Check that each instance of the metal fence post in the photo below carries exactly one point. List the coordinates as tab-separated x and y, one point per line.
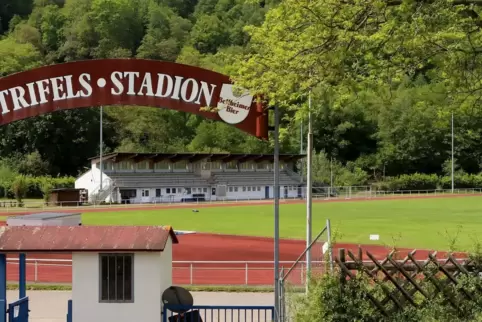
35	275
246	274
190	273
330	249
302	274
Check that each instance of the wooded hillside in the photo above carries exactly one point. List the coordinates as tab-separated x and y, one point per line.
385	78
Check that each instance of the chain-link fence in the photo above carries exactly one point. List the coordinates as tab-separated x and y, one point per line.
294	281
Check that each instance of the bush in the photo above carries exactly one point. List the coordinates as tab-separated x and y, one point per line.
419	181
416	181
19	188
462	181
330	299
46	188
36	187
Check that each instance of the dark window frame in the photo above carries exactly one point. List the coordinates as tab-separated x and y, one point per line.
107	298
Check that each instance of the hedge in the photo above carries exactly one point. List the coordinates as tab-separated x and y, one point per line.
35	183
419	181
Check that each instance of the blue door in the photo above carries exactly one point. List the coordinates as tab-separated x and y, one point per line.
18	311
266	192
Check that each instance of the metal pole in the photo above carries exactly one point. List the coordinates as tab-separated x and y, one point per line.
309	191
452	152
101	150
331	173
301	150
22	278
276	214
301	137
330	249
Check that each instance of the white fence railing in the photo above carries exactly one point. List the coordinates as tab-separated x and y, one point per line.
184	272
326	193
247	273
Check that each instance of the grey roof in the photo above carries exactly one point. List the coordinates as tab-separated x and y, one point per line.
45	215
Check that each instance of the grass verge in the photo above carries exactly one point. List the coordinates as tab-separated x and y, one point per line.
203	288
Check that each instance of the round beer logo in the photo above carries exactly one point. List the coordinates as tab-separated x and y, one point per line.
233	109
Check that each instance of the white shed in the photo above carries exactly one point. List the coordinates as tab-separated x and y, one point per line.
46	219
118	272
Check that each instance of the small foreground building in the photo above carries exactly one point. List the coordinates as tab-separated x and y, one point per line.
118	272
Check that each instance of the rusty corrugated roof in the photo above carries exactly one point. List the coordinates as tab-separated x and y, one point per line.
84	238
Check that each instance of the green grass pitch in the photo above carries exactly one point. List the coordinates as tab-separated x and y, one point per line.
413	223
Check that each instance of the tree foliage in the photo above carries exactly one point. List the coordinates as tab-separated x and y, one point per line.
384	77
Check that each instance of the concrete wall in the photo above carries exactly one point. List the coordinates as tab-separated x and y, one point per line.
152	274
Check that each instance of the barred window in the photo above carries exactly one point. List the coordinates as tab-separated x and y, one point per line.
116	278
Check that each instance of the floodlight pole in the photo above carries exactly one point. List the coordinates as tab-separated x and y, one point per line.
309	191
276	215
101	149
452	174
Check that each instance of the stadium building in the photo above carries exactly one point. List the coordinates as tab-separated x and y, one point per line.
184	177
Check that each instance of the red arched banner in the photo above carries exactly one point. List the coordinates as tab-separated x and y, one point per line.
129	82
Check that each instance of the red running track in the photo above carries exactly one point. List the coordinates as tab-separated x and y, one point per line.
209	247
206	247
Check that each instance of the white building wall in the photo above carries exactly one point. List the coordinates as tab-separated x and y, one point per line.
152	273
166	268
91	181
244	193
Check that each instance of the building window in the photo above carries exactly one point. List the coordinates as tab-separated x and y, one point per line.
181	165
205	190
107	165
249	188
163	165
230	189
244	188
158	193
235	189
143	165
145	193
116	278
231	165
173	190
246	166
259	188
216	165
168	190
123	165
262	166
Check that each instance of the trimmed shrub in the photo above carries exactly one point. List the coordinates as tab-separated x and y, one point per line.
416	181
